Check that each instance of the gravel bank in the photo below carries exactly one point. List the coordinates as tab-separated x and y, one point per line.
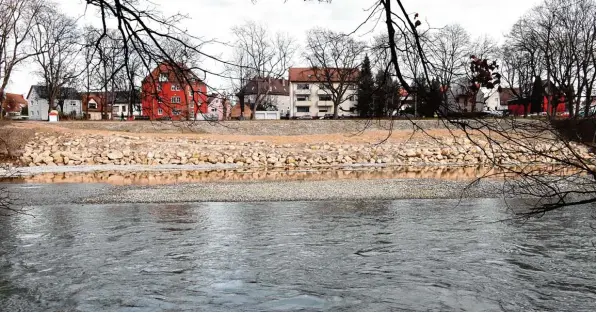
385	189
382	189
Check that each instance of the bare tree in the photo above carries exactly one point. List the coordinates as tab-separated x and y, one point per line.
17	18
55	40
334	59
449	51
258	56
570	182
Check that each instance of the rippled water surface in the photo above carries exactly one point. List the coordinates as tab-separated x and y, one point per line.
391	255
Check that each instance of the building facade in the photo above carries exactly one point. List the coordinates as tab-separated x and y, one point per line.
123	106
218	109
68	102
173	93
310	97
268	94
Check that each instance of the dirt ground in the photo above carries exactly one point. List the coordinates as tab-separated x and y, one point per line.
148	129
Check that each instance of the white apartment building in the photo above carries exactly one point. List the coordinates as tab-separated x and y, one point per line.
308	96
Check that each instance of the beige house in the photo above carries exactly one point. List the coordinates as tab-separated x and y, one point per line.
308	96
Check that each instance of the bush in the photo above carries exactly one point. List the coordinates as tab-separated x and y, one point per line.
13	140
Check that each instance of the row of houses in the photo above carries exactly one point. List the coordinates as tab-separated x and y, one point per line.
176	93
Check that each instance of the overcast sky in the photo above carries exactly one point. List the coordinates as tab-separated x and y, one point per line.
214	18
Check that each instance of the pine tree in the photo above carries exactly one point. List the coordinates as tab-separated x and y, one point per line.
536	96
365	89
386	97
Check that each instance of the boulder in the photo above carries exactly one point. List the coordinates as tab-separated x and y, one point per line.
115	155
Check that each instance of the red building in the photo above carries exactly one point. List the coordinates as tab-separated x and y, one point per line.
173	93
14	104
517	108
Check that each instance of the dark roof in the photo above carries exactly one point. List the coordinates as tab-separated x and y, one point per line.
276	87
507	94
64	93
124	96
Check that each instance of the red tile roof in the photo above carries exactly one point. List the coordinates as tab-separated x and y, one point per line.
307	74
14	102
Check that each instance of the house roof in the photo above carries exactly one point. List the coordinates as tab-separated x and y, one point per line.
507	94
14	102
119	96
214	96
271	86
174	72
64	92
307	74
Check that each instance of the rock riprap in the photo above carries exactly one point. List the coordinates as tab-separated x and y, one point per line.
48	149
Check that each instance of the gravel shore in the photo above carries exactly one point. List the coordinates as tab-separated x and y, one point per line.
382	189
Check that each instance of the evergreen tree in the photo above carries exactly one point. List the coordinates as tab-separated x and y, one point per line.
428	97
536	96
365	89
386	98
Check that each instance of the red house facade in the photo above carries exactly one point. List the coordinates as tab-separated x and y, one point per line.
517	108
173	93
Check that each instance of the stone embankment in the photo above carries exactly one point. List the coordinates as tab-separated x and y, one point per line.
124	149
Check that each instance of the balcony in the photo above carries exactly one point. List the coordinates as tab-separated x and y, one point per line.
321	103
302	91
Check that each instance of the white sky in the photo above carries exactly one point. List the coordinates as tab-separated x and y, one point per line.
212	19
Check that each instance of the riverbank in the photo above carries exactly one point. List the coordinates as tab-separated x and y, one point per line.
66	145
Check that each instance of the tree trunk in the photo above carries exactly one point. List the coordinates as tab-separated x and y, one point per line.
588	103
253	107
2	103
336	105
241	100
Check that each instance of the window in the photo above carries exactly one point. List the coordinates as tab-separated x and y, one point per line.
352	87
191	93
302	86
325	98
163	77
302	98
174	87
92	105
352	98
175	100
302	109
124	108
176	112
158	87
214	109
323	110
73	103
160	111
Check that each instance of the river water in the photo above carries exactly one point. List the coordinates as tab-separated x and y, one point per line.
413	255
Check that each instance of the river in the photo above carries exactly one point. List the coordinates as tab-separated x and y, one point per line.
414	255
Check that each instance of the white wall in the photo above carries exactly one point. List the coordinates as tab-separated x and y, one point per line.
491	99
314	104
72	105
120	108
38	108
267	115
